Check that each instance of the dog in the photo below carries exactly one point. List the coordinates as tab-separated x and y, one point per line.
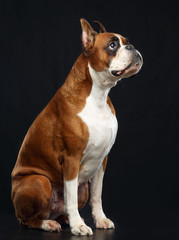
65	150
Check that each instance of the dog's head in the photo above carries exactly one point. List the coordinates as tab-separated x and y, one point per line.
110	53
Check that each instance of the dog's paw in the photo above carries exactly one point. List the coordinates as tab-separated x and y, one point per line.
104	223
82	230
51	226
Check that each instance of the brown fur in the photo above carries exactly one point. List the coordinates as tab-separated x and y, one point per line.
105	163
102	40
54	144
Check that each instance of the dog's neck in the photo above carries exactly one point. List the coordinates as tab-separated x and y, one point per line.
101	86
83	81
78	80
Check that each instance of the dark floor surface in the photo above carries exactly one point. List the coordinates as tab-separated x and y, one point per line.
152	226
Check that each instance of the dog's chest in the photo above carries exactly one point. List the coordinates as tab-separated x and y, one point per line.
102	126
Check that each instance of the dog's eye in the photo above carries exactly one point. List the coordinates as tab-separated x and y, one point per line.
112	45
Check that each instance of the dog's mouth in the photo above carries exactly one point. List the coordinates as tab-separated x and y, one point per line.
118	73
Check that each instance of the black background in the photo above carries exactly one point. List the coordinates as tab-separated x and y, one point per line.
39	43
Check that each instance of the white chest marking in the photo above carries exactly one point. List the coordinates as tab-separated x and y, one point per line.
102	126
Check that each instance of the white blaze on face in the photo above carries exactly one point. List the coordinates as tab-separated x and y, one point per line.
125	59
122	59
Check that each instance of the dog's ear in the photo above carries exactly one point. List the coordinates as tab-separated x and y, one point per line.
101	27
88	36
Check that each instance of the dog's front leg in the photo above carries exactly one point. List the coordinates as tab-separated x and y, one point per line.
78	227
99	217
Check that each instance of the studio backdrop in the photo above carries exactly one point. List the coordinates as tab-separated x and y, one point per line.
39	43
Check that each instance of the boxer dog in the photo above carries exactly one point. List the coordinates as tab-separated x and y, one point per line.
66	147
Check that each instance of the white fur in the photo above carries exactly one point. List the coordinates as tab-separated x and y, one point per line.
50	226
95	198
102	124
96	202
78	227
122	59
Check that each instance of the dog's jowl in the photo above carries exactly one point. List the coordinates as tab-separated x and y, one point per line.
65	150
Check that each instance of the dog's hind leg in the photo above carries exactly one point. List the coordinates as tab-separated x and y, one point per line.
32	201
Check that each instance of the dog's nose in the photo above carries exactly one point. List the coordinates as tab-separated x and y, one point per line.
129	47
